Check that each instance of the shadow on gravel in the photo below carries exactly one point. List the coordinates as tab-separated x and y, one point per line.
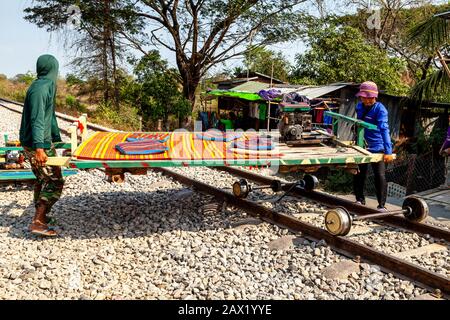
124	214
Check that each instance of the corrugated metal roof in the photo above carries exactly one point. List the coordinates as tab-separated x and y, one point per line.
316	92
252	86
311	92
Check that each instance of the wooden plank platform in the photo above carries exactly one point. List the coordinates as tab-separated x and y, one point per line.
17	175
186	149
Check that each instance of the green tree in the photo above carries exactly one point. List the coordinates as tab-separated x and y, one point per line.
26	78
390	32
156	90
73	80
96	40
433	36
341	54
260	59
200	34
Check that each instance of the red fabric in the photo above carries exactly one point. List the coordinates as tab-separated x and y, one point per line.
319	115
80	126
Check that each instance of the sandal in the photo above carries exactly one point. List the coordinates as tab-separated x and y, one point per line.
41	229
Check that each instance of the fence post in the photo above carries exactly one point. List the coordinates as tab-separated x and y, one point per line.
410	175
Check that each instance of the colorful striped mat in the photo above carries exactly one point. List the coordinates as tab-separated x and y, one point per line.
255	143
217	135
182	146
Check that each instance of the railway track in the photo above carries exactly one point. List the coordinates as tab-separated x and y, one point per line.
348	247
18	106
334	201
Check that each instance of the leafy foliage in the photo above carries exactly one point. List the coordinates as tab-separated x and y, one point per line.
126	118
260	59
156	90
339	181
72	80
435	87
428	142
341	54
200	34
26	78
433	36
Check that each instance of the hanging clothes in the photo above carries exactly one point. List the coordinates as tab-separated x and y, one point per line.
204	118
256	110
327	120
262	111
319	115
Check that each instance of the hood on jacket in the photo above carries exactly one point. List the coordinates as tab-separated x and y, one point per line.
47	67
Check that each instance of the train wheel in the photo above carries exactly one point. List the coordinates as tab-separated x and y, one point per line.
241	189
416	209
311	182
338	221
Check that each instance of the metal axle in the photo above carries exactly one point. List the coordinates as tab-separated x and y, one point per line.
382	214
338	221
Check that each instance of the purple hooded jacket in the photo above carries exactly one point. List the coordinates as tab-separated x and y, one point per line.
447	140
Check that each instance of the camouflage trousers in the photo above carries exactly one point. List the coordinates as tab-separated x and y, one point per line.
49	180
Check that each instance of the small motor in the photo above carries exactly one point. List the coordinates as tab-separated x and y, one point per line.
293	133
14	160
293	125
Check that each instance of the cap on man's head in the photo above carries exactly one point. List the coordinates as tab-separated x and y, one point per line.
368	89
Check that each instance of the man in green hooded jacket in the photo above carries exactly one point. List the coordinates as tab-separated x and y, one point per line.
38	131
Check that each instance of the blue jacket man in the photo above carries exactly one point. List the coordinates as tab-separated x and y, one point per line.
378	141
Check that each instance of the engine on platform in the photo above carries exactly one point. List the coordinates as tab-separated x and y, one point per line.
13	159
294	124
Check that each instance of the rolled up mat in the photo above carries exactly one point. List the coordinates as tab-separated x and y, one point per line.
141	147
216	135
148	139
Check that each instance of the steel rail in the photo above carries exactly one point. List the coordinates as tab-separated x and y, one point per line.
334	201
343	245
64	131
62	116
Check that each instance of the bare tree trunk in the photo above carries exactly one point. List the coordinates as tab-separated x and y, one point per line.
112	46
190	85
190	82
105	55
114	72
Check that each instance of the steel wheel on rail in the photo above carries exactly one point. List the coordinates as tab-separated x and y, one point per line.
338	221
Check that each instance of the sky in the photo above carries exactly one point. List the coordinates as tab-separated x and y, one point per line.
21	43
